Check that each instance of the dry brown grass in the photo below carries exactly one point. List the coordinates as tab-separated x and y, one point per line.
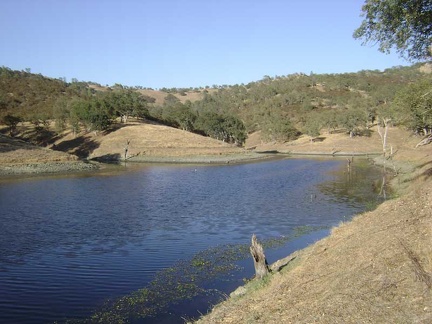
16	151
150	140
400	141
159	96
146	140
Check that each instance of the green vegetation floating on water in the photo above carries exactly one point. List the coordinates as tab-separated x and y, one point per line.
184	280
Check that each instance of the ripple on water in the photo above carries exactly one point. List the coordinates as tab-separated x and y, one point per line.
73	243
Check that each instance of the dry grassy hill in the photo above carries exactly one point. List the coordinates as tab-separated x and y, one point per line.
159	96
13	150
145	142
401	142
155	142
19	157
148	140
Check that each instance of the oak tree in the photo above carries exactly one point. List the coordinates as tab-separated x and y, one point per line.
404	25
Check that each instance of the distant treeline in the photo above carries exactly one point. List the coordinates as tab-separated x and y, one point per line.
281	107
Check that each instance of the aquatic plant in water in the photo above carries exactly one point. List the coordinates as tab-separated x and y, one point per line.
184	280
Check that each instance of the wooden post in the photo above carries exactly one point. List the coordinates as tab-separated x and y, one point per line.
260	262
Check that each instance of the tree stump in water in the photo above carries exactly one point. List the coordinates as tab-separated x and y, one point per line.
260	262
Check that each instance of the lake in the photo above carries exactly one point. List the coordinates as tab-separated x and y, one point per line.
73	245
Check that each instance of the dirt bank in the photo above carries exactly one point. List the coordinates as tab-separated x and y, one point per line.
47	167
208	159
18	157
153	143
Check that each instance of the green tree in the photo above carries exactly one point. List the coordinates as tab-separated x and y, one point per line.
277	127
184	117
40	121
405	25
352	120
92	113
11	121
229	129
3	101
329	119
211	124
170	99
178	115
234	130
313	125
79	114
412	106
98	115
124	104
61	114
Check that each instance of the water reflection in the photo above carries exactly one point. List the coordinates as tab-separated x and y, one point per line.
359	183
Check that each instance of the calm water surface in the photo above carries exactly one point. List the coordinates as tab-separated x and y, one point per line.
69	244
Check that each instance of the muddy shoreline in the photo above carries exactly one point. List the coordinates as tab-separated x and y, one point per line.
20	169
66	167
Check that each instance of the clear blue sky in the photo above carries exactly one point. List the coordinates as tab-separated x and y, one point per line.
184	43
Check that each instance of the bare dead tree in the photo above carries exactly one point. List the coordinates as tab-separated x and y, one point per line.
260	262
425	141
126	149
383	133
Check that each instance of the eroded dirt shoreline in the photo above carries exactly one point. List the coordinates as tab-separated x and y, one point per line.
21	169
57	167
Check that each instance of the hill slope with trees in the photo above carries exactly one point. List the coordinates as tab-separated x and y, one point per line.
281	108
